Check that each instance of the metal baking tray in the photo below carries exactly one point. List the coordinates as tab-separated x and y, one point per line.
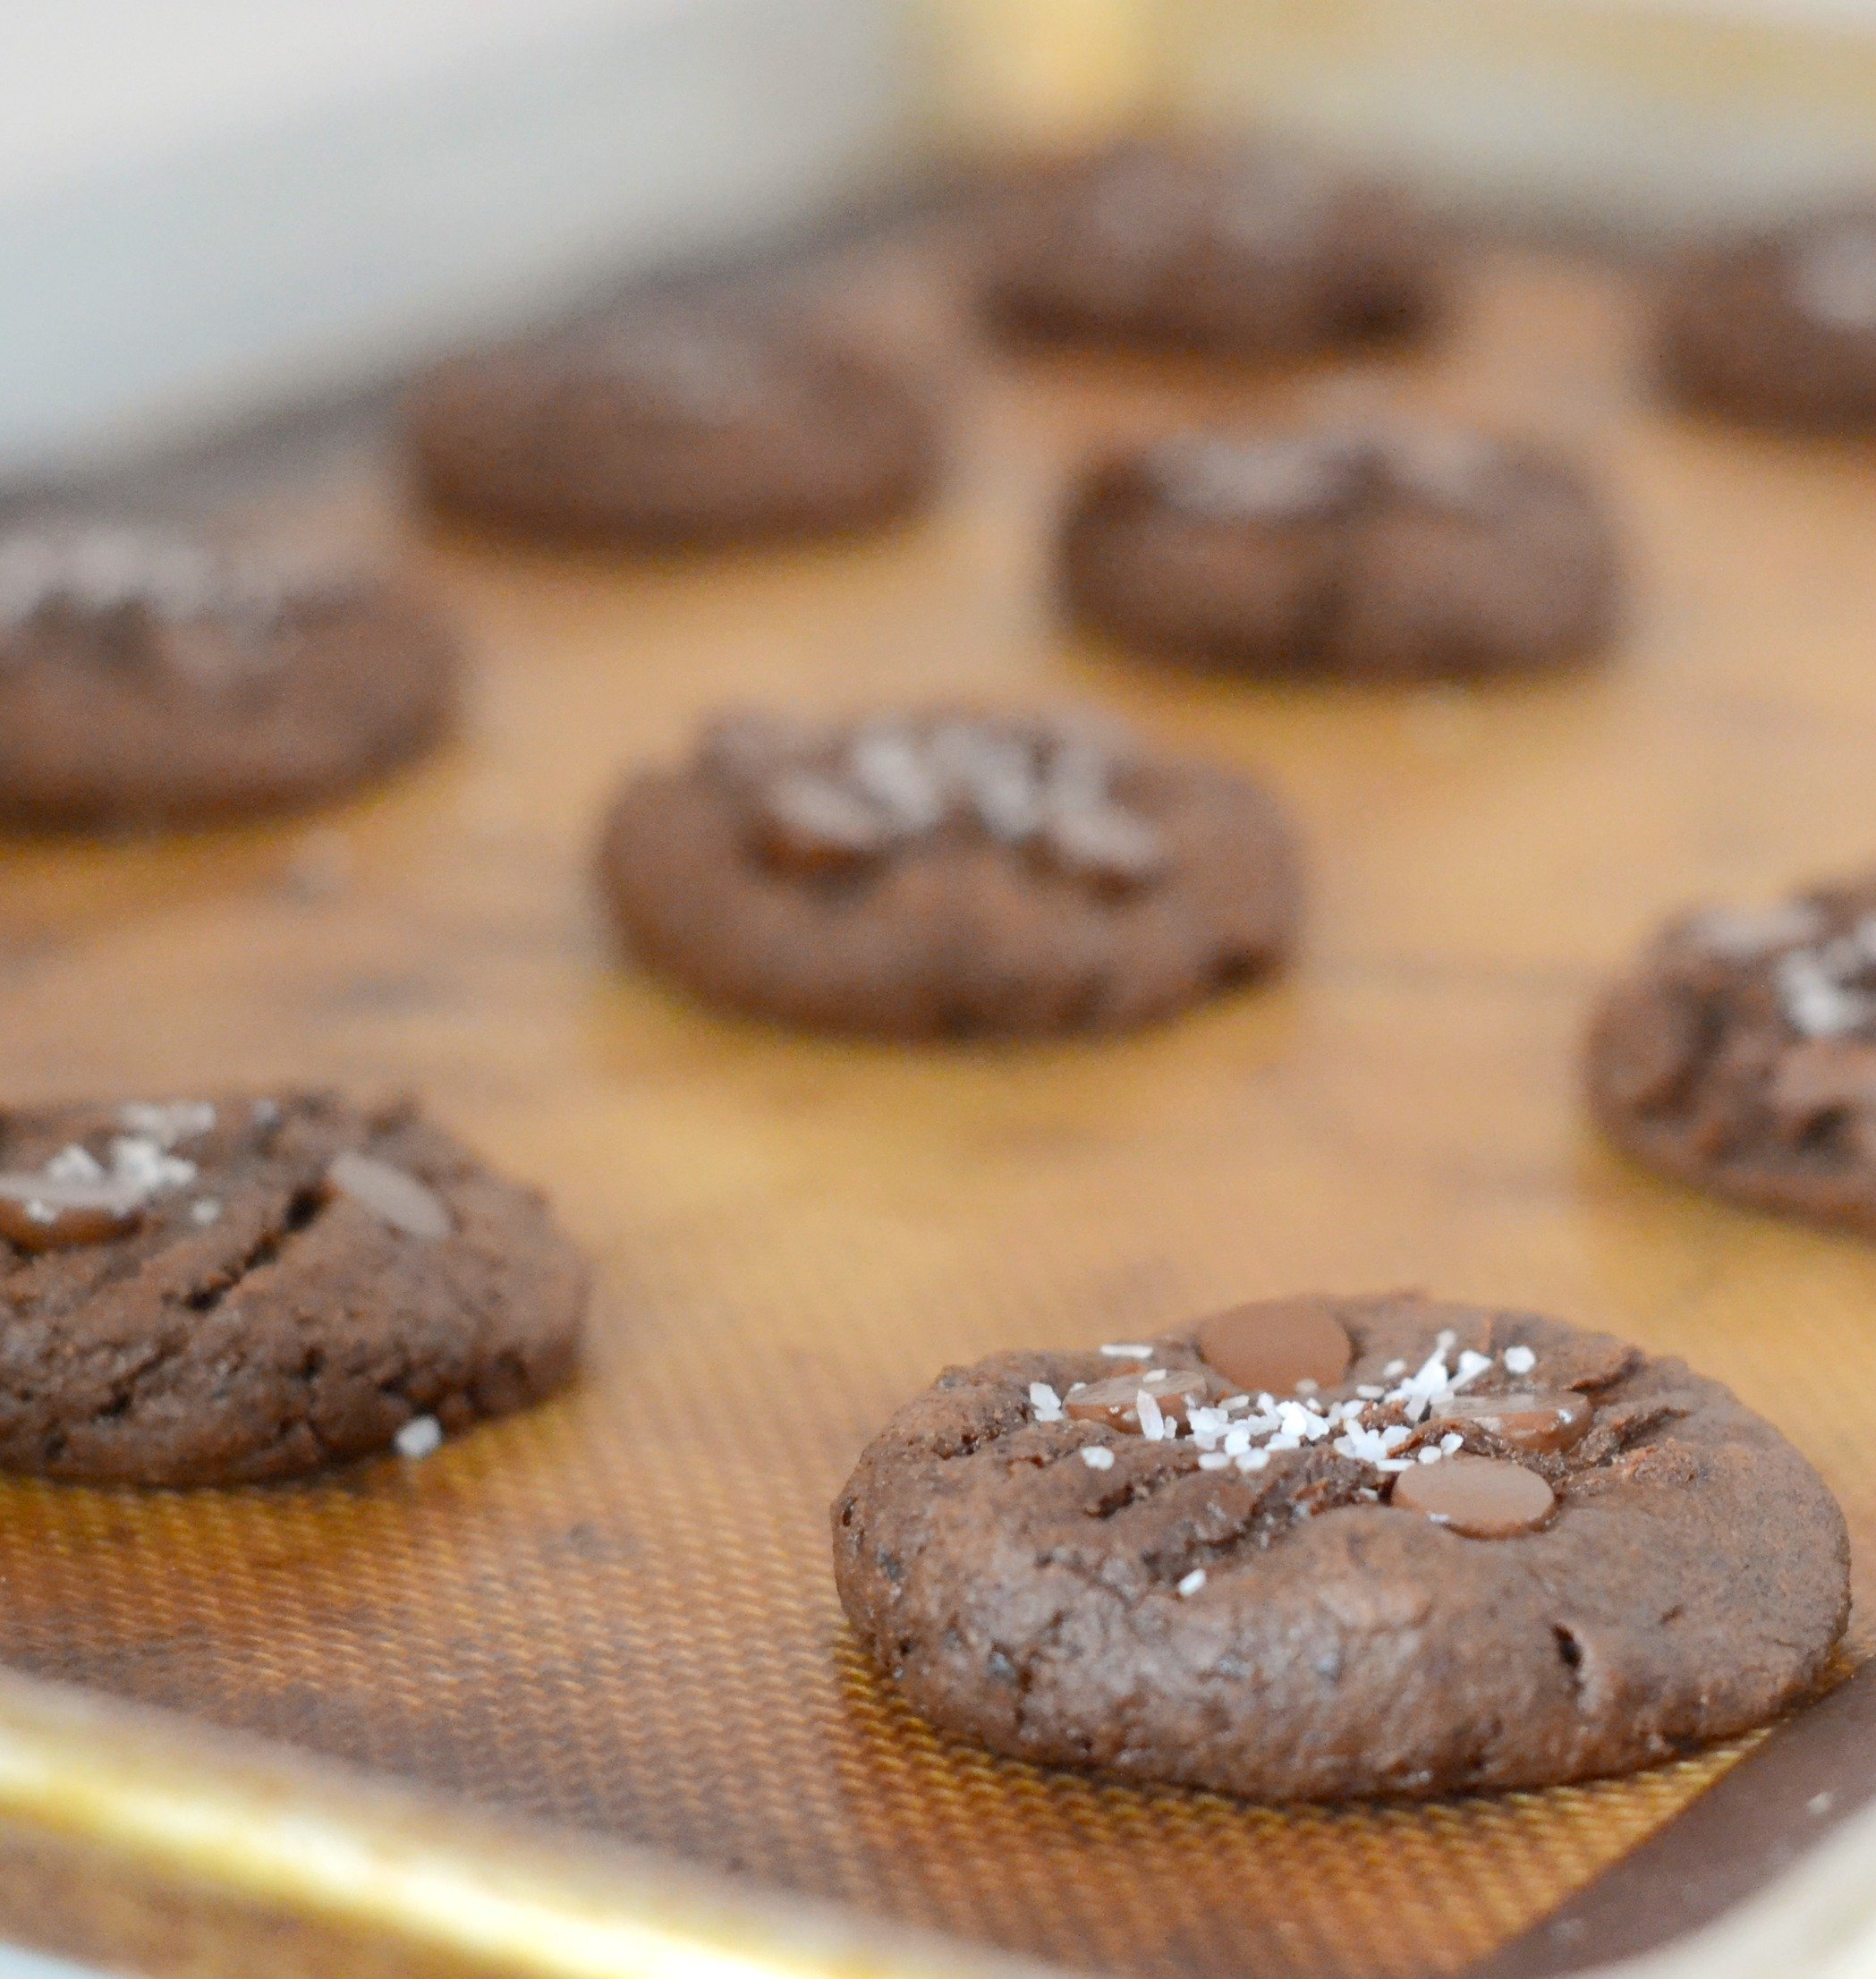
583	1673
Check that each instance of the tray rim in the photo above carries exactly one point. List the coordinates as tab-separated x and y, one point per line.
253	1820
237	1817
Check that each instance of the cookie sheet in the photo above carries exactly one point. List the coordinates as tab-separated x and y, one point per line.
615	1614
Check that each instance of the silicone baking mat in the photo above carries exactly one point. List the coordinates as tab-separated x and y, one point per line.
616	1613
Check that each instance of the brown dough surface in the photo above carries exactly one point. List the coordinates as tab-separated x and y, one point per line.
1356	554
1691	1583
1739	1055
148	679
1779	327
258	1322
695	428
1244	251
955	931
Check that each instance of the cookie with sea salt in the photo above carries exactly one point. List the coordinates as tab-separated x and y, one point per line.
1778	327
670	426
1739	1053
150	677
946	873
1252	250
1374	553
1472	1550
217	1291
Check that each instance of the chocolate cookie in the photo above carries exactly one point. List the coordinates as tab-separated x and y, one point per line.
694	428
941	873
1241	251
1382	554
1468	1549
1740	1054
149	678
1781	326
209	1292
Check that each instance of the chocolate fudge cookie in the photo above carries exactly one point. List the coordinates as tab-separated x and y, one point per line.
1322	1548
209	1292
1243	250
698	427
1740	1054
1781	326
943	873
1382	554
149	678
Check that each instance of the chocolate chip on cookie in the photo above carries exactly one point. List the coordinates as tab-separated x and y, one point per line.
1482	1497
1781	326
692	426
1241	251
217	1291
1494	1551
1739	1053
150	677
1382	553
935	874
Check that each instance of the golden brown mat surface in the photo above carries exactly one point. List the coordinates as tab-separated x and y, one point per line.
617	1612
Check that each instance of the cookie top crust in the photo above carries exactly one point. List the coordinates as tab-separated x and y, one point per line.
150	675
1378	550
677	426
1493	1550
1248	249
228	1289
1779	325
948	869
1740	1053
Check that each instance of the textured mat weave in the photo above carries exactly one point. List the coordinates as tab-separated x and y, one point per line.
617	1614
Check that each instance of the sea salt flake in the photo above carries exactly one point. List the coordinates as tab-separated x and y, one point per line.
1192	1582
1471	1367
169	1125
1519	1360
1121	1350
1098	1456
1214	1460
206	1211
1252	1460
1452	1440
1816	1000
1045	1402
1153	1424
419	1437
75	1164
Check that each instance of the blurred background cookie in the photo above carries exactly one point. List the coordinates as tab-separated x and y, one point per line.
1778	325
149	677
1239	249
676	426
1370	553
939	873
1739	1053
